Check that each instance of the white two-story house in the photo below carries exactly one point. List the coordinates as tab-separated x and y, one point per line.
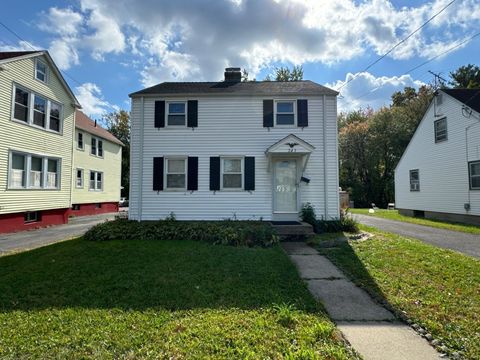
438	175
232	149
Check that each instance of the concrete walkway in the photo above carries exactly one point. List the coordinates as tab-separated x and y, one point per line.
468	244
27	240
369	327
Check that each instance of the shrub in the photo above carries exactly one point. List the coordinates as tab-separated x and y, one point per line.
237	233
346	223
307	214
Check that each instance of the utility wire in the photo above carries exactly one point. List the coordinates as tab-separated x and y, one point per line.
424	63
397	44
34	49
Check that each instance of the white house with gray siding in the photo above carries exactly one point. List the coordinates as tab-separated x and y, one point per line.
232	149
438	176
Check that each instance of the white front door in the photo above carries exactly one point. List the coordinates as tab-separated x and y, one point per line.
285	187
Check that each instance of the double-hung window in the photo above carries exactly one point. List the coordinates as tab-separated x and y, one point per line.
30	171
175	173
96	181
232	173
176	113
36	110
285	112
80	141
414	180
17	171
440	127
41	71
79	179
474	174
97	147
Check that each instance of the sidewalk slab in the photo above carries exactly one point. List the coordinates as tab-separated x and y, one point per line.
316	267
386	340
298	248
343	300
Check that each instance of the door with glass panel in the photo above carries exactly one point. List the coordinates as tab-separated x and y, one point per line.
285	186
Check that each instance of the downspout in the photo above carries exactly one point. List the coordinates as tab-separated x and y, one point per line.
73	169
140	177
325	196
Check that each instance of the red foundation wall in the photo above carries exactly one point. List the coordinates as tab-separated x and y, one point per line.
91	209
16	222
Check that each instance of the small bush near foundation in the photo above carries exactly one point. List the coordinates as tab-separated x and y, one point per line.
228	232
345	223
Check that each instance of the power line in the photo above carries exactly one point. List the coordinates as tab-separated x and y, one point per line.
398	44
424	63
34	49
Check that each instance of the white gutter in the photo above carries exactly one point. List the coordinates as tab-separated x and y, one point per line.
140	177
325	193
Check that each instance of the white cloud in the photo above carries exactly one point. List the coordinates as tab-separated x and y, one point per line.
90	97
63	53
367	90
107	36
64	22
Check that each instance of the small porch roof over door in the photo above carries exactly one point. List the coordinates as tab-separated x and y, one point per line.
290	146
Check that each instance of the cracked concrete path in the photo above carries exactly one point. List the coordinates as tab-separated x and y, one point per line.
32	239
371	329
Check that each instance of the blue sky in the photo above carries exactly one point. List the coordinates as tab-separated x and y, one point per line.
109	48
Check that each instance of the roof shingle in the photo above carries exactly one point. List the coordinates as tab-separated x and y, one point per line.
304	87
83	122
13	54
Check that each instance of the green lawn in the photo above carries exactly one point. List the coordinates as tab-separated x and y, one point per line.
438	289
159	299
394	215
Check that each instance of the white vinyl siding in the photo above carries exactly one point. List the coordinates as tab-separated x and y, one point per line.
230	126
444	169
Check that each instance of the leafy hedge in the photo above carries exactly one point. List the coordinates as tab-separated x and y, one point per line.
345	223
228	232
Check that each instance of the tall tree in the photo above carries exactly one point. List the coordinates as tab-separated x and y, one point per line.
118	123
285	74
467	76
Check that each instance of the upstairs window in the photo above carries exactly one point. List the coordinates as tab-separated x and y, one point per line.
55	110
80	141
39	110
176	113
41	70
474	173
285	112
93	148
232	173
97	147
440	130
20	111
175	174
414	180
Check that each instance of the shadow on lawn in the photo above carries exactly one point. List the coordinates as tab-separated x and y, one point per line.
340	252
149	274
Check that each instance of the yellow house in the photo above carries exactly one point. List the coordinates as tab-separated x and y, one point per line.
97	168
37	110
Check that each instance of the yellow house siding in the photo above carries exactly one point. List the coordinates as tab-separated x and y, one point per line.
24	138
110	165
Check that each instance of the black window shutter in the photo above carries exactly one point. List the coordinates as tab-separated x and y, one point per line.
249	173
192	180
302	108
158	173
267	113
192	119
159	114
214	173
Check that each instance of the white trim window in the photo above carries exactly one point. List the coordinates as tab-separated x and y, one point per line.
414	180
175	173
96	148
79	178
285	112
36	110
232	170
96	181
80	143
440	127
41	71
176	113
43	172
474	174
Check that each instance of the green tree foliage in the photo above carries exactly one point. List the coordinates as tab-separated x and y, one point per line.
118	123
467	76
285	74
372	142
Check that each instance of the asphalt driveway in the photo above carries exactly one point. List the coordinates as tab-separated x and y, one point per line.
468	244
32	239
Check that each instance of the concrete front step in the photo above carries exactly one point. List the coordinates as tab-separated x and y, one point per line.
299	231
